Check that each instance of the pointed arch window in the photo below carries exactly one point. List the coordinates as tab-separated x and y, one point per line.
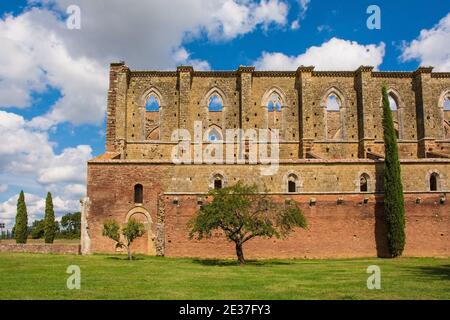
364	182
152	116
447	102
397	112
292	183
274	104
333	103
392	103
434	181
334	115
152	104
215	103
214	135
218	181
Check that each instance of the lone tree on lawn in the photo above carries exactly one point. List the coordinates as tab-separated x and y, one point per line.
49	220
243	213
21	227
133	229
393	190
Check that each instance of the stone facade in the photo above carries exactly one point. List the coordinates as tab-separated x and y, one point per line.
322	153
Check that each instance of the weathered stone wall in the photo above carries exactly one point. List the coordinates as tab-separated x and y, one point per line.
327	151
183	97
40	248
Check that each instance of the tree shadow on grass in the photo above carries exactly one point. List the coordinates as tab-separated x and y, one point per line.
124	258
440	272
226	263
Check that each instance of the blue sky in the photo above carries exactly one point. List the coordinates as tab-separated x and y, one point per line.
53	80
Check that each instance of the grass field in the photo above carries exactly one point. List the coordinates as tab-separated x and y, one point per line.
37	276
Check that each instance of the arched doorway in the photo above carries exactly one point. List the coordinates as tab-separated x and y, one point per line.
146	243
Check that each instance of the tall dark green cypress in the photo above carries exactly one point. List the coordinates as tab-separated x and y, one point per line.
394	207
49	220
21	227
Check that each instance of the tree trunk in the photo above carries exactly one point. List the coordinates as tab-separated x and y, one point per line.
240	253
130	257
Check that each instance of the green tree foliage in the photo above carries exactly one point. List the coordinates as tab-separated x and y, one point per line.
132	230
37	229
71	226
393	190
49	220
21	228
242	213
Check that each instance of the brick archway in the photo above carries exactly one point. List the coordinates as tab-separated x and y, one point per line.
145	244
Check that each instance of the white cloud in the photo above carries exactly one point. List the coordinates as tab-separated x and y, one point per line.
36	58
335	54
75	189
431	47
231	18
3	188
35	208
39	51
303	7
26	154
70	165
295	24
181	57
304	4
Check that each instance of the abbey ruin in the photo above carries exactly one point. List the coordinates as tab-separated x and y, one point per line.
330	157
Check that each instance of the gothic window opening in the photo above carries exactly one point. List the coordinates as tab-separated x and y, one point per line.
274	104
152	117
447	103
333	103
334	117
397	112
138	193
434	177
292	183
446	116
215	103
152	104
392	103
364	183
274	111
218	181
214	135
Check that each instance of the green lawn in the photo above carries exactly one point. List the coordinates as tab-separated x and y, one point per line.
37	276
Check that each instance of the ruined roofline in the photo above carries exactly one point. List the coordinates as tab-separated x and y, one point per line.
283	73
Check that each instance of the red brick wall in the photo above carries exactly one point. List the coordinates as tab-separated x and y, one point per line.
111	192
351	229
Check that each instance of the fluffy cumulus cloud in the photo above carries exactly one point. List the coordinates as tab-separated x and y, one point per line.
432	47
335	54
28	160
39	51
35	208
26	150
182	57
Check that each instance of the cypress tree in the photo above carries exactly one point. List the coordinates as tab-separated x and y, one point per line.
393	190
49	220
21	227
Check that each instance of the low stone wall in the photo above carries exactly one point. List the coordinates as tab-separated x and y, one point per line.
41	248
